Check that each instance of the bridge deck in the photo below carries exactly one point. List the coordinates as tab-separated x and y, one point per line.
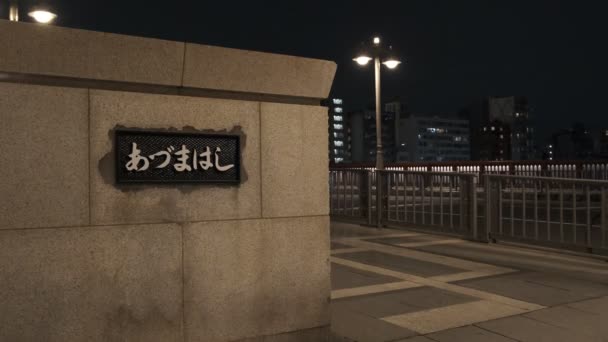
395	285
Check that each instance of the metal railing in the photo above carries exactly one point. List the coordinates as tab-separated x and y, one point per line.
552	212
555	212
435	200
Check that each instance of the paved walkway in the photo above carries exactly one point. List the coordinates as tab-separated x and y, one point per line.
395	285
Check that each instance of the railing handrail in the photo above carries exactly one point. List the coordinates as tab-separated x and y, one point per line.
359	165
550	179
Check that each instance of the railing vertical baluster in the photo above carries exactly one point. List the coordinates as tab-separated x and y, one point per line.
523	208
441	179
499	206
603	221
432	186
331	192
548	198
512	184
561	212
352	192
451	202
536	210
397	179
370	201
414	186
405	198
588	232
460	203
422	200
344	193
388	195
574	220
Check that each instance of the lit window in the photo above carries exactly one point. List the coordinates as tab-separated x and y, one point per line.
485	129
502	136
338	109
339	160
457	139
516	115
338	143
493	128
337	101
337	118
338	126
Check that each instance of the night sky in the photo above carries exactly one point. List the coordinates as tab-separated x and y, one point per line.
456	51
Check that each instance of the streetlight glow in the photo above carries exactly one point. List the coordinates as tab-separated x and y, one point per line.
362	60
391	64
376	40
43	17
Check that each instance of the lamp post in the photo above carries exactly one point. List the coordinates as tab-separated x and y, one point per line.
384	56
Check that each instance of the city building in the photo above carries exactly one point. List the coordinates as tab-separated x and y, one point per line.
512	112
339	137
515	112
494	141
363	135
433	138
573	144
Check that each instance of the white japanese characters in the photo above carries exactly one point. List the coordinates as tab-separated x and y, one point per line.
186	160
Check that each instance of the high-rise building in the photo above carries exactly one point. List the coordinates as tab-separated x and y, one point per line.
512	113
363	135
433	138
515	112
339	132
494	141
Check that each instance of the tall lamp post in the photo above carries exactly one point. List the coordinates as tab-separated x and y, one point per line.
385	56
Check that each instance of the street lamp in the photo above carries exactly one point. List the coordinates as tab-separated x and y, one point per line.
385	56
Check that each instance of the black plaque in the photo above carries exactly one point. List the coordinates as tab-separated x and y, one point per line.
176	157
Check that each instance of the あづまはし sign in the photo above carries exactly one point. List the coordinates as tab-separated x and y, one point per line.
176	157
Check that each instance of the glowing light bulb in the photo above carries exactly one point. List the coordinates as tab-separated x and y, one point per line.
391	64
43	17
362	60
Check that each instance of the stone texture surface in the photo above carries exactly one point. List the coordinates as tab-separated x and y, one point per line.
91	284
294	160
43	135
257	72
248	278
171	203
53	50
